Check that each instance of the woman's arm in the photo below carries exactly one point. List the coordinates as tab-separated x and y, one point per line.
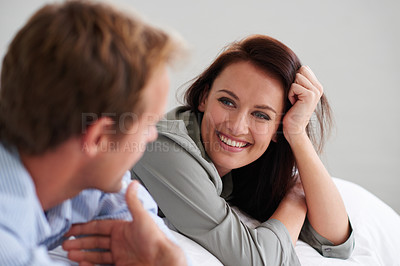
326	211
186	191
292	211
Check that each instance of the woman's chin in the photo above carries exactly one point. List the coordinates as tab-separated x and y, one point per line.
224	165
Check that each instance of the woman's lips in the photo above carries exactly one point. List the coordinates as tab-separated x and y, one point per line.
230	144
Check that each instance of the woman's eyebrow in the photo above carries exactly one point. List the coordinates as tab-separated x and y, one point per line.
230	93
263	106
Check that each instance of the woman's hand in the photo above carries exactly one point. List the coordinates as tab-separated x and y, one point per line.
304	94
139	242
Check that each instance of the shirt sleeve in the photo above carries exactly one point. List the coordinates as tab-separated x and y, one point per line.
325	247
13	252
188	198
113	206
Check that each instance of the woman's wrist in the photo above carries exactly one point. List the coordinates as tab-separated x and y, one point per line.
297	139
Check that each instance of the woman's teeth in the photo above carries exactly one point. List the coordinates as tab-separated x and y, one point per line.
230	142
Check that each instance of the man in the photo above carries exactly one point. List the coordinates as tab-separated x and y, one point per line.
82	86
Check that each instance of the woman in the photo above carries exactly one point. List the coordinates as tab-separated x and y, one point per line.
245	138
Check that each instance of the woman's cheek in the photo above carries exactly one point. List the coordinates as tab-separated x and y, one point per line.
261	129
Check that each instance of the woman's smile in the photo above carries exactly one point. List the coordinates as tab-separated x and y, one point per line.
232	144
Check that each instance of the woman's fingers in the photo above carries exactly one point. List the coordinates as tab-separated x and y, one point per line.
304	94
312	81
304	81
298	92
306	87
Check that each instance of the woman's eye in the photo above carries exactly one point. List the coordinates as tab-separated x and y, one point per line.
261	116
227	102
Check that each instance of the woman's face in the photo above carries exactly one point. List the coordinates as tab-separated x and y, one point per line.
242	112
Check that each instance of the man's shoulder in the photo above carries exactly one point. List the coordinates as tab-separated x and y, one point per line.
20	208
14	178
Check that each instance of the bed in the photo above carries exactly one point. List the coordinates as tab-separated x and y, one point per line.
376	228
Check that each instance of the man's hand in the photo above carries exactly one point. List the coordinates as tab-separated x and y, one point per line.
139	242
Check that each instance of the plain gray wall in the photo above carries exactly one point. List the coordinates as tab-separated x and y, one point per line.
352	46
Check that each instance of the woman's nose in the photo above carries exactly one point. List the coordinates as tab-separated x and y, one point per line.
238	124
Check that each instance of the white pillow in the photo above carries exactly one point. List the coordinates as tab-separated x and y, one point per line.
376	229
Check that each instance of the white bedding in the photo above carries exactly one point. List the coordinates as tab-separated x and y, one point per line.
376	227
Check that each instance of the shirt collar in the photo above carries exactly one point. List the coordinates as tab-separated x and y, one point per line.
192	123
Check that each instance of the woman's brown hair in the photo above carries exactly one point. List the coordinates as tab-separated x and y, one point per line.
259	187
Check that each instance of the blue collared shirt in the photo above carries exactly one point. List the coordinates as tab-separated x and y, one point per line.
27	232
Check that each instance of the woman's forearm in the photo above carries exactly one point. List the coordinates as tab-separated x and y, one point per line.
326	210
292	212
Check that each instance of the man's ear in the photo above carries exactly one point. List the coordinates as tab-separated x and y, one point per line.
97	136
203	99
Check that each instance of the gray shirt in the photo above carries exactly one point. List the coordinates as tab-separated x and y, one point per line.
191	194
